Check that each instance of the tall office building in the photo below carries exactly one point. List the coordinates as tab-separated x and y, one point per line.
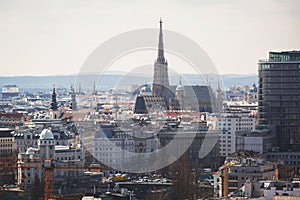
279	98
161	79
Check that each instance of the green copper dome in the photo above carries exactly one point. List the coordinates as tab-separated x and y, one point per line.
180	87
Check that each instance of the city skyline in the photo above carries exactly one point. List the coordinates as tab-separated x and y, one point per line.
55	37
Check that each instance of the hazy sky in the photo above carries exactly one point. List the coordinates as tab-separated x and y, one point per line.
39	37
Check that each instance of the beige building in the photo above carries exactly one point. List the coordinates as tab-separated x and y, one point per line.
7	141
233	175
32	163
8	149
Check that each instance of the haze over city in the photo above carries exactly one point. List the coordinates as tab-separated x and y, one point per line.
56	37
143	100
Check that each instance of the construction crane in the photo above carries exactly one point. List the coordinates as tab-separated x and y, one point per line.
48	168
225	169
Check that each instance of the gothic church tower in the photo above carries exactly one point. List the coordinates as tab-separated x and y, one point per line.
161	78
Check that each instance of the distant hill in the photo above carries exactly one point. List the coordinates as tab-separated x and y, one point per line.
239	79
108	81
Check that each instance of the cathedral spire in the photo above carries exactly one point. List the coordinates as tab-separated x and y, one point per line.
161	78
161	56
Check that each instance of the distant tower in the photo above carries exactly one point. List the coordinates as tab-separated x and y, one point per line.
219	99
161	79
180	94
73	99
79	89
54	103
94	92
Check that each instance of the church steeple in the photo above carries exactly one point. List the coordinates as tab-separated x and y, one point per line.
53	103
160	56
161	78
73	98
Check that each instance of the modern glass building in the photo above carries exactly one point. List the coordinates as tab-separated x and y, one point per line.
279	97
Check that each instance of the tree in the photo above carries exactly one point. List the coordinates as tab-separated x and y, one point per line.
184	182
8	174
37	191
157	195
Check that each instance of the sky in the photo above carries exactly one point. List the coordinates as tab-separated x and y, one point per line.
55	37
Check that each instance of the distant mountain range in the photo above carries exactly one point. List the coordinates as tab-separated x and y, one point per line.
108	81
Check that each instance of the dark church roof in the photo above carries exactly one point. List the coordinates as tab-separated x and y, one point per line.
200	92
144	103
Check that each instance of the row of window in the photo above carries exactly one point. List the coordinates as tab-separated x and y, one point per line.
224	141
113	149
239	120
34	142
49	142
224	136
68	158
101	155
239	124
31	137
240	128
103	143
6	140
224	150
285	156
5	145
224	145
5	150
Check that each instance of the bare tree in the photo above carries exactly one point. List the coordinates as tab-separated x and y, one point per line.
184	182
37	191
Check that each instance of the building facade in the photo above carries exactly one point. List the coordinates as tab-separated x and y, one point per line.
113	146
260	141
229	123
7	141
200	135
29	137
31	163
240	169
279	97
8	150
9	91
